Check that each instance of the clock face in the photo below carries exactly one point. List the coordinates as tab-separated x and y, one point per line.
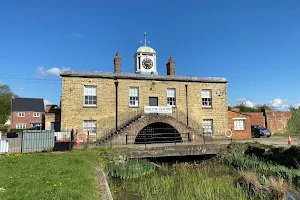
147	63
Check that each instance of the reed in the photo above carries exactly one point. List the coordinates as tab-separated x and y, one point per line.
208	180
131	168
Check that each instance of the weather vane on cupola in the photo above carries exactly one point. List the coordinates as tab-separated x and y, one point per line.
145	40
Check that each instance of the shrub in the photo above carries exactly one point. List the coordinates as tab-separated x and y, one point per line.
260	187
4	129
266	168
293	125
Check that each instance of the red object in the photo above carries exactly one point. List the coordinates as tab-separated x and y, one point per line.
78	138
77	143
193	138
290	140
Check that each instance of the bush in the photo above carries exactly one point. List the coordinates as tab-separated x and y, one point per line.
288	157
293	125
260	187
17	130
266	168
4	129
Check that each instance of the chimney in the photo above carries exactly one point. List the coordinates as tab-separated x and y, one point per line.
117	63
171	67
49	108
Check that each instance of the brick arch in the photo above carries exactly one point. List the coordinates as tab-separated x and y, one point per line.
164	133
129	133
134	129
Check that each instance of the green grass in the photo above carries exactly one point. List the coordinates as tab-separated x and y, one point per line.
265	167
208	180
48	176
131	168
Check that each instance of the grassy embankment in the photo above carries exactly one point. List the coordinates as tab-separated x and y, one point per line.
48	176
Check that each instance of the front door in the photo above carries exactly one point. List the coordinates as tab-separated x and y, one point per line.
153	101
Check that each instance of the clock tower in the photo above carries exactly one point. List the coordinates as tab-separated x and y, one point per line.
145	59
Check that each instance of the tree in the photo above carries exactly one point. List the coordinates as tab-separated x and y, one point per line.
293	125
257	108
5	102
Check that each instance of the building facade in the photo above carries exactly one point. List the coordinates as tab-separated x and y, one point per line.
239	124
102	102
52	118
27	113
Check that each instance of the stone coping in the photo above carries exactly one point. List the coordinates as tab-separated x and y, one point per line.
122	75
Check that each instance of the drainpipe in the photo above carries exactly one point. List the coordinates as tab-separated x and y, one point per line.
116	84
187	104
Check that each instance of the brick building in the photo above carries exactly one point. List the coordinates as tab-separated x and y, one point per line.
105	103
239	124
275	121
52	118
27	112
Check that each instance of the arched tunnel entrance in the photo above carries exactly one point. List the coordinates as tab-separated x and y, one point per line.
158	133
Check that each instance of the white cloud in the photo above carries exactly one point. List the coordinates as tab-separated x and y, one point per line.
297	105
47	102
21	89
54	71
246	102
77	35
279	104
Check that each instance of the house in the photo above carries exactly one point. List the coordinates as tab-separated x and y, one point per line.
27	112
52	118
275	121
104	102
239	124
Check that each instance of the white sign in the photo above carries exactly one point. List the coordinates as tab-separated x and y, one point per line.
158	109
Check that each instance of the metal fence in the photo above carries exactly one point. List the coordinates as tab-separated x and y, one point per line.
44	141
31	141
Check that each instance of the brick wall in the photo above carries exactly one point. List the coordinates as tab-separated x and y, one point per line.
240	133
27	119
277	121
257	118
73	112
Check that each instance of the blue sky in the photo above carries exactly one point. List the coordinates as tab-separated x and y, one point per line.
254	44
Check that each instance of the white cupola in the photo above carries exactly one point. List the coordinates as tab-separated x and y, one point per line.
145	59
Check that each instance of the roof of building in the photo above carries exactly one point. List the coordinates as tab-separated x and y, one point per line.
145	49
27	104
122	75
239	112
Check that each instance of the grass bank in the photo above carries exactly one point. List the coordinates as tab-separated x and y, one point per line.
48	176
207	180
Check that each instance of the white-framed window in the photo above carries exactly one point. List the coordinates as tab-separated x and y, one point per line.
36	114
133	96
206	98
207	125
90	95
21	114
239	124
171	97
90	126
20	126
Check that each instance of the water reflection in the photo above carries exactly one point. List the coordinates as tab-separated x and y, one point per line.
122	195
